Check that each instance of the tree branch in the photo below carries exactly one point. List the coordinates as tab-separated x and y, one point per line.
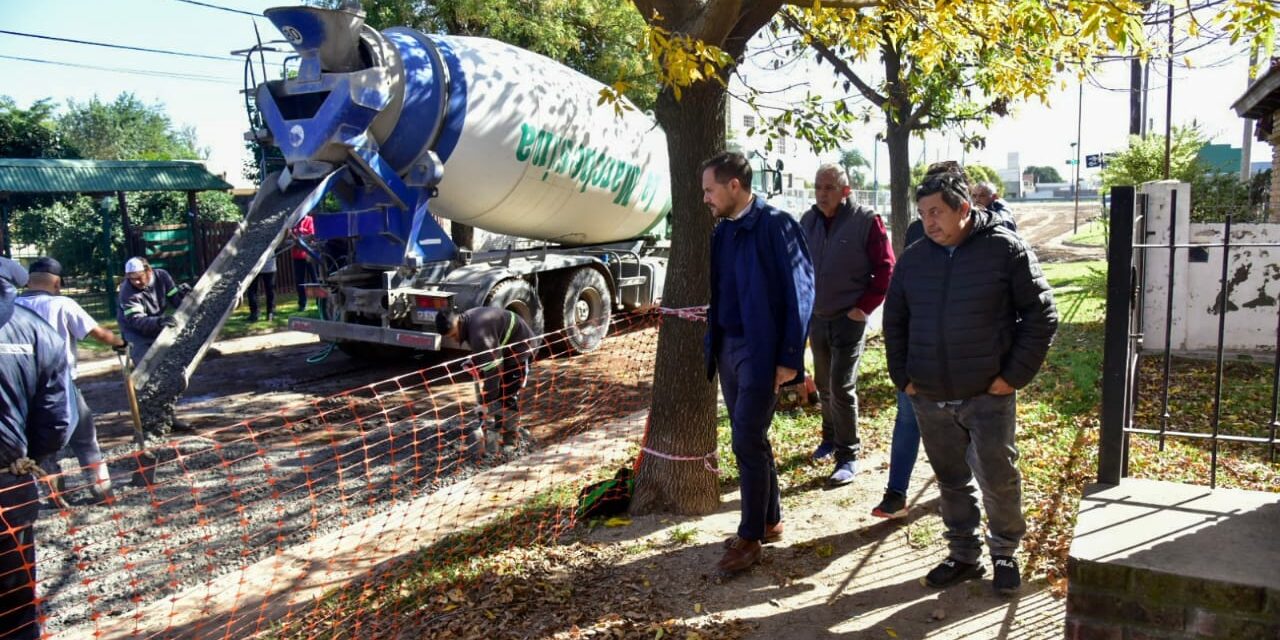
836	61
836	4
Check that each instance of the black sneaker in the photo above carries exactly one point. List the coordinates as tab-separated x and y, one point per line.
1005	577
952	572
894	505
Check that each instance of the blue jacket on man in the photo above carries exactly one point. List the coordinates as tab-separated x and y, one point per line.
774	277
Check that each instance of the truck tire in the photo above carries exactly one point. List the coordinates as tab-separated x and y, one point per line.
518	296
579	304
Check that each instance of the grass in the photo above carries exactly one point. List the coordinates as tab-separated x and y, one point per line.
1092	234
1057	437
237	325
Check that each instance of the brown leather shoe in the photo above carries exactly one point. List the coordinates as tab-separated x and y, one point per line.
740	556
772	533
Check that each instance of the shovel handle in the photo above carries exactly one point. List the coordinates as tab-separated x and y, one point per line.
133	399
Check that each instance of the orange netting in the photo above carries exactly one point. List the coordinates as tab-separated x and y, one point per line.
250	528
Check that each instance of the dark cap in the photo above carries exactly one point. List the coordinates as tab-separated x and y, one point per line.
45	265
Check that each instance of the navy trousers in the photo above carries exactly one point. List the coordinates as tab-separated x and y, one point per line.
750	403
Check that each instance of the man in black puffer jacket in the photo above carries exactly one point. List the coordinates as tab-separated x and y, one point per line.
968	320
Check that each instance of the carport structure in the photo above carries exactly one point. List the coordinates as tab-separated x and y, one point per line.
103	180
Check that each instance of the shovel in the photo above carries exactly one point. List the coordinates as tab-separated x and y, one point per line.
145	474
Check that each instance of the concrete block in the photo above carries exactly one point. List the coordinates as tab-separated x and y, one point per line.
1098	575
1203	623
1153	614
1083	629
1272	607
1099	606
1161	588
1228	597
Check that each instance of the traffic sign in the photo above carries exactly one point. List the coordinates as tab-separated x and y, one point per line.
1093	160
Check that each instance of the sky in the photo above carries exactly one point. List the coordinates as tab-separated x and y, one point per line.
205	93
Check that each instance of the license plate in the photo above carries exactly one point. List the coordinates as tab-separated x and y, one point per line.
424	316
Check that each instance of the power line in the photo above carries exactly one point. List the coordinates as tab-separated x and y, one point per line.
141	72
214	6
183	54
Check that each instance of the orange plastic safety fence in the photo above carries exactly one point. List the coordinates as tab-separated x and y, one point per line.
247	530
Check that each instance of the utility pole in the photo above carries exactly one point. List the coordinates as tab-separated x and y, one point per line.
1168	102
1075	186
1246	144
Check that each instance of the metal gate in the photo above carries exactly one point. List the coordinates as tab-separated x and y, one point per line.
1176	303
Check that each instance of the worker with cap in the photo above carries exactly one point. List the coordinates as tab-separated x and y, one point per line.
35	421
69	319
144	296
502	342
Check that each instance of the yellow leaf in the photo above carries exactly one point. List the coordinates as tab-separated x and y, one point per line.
661	632
825	551
697	607
617	521
891	632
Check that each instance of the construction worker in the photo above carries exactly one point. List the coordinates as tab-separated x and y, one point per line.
35	421
43	296
143	297
501	342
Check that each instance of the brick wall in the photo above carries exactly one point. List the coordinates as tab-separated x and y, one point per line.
1115	602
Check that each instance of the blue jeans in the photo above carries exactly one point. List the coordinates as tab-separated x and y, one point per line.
906	445
750	403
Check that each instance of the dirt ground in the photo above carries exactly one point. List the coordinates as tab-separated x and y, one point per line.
838	573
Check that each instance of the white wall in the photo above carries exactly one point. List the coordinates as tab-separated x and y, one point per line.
1253	275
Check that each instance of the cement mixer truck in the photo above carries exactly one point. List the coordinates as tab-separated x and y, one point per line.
384	134
409	128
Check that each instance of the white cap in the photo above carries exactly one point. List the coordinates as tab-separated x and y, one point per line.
134	265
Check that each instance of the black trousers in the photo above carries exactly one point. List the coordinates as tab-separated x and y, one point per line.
19	505
501	394
267	282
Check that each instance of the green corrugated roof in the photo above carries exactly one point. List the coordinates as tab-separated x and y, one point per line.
24	175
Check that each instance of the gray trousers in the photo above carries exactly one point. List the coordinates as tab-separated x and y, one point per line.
983	426
837	347
84	438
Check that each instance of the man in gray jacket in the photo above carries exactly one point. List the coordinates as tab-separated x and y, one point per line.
852	262
968	320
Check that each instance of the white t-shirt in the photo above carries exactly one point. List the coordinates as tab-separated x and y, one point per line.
71	321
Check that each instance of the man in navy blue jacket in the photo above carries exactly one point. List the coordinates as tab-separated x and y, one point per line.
761	299
35	420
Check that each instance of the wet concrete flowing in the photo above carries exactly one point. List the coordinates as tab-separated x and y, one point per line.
163	372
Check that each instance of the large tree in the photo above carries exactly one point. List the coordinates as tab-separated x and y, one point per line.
691	109
126	129
1046	173
951	64
600	38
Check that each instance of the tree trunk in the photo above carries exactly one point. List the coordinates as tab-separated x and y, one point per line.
683	411
898	139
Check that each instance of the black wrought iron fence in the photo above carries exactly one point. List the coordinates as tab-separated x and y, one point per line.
1192	347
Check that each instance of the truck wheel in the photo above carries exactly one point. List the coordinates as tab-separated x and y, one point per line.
518	296
581	306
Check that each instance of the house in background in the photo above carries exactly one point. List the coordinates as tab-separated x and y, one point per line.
1261	102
